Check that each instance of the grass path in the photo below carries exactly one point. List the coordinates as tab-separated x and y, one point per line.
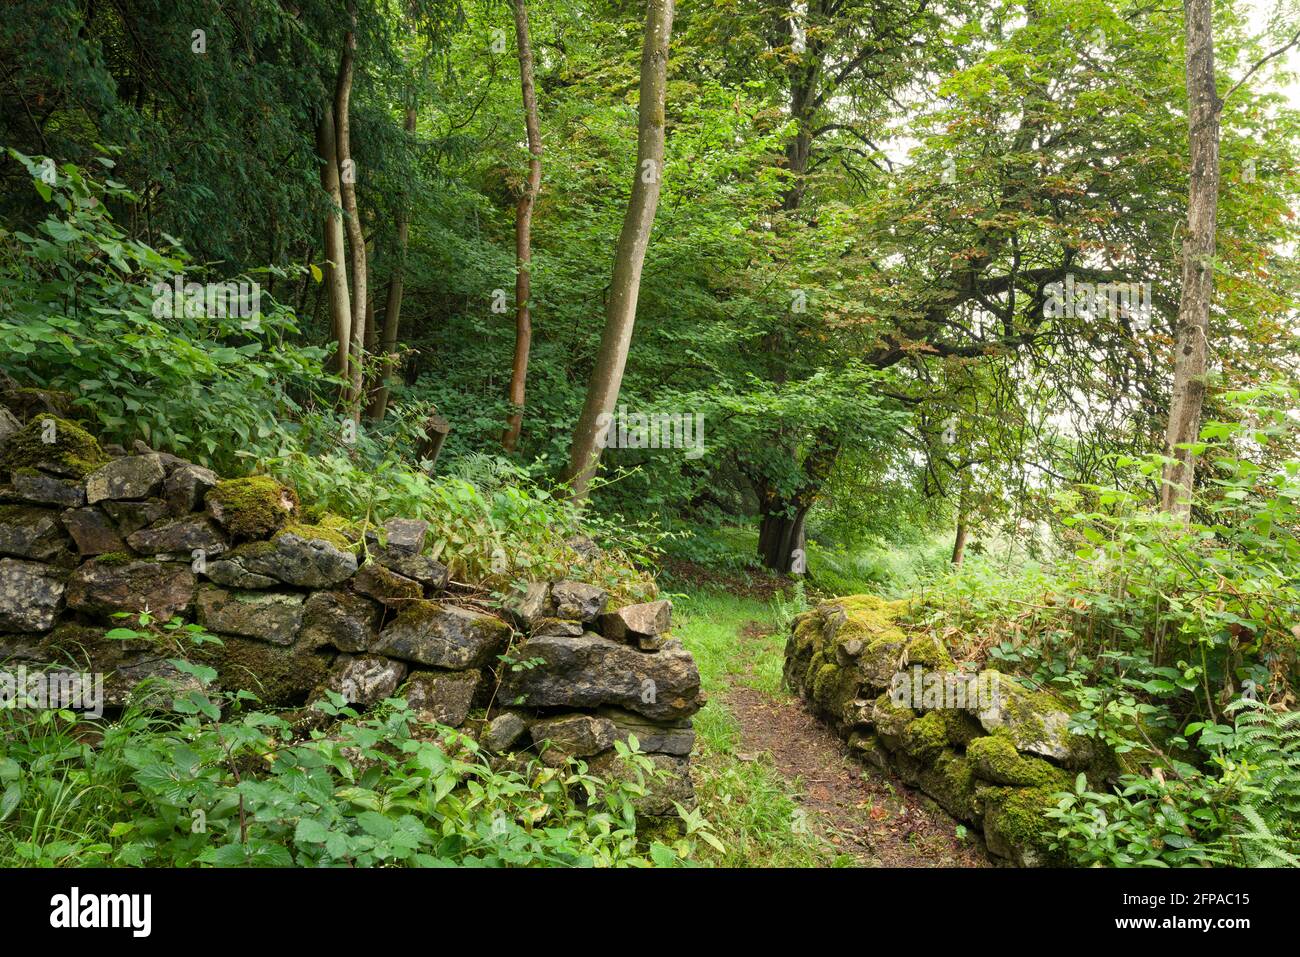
780	787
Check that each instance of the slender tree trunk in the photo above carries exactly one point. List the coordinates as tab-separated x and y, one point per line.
963	511
393	304
1198	261
336	270
524	234
629	256
356	237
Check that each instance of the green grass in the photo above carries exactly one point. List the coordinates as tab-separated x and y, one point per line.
750	806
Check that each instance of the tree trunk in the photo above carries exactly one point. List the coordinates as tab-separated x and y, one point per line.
963	509
781	537
356	237
336	270
629	256
523	234
393	304
1198	261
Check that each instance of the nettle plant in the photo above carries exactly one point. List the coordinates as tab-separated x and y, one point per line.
87	310
1184	618
217	782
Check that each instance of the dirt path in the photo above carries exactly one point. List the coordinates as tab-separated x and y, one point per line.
863	812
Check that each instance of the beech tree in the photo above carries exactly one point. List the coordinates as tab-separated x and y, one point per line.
629	255
523	232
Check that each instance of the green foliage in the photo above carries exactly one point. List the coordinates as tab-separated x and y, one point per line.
219	784
80	312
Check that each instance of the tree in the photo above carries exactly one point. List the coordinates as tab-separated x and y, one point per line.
336	264
393	302
1198	261
523	232
629	255
356	236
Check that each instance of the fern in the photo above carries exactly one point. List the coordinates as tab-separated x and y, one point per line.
1266	752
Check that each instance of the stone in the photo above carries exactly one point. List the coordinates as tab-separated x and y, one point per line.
49	443
400	536
527	607
589	670
179	536
132	516
115	583
31	595
93	531
148	679
559	626
642	625
670	786
443	697
345	620
10	425
268	616
386	585
665	737
232	573
571	735
365	679
33	533
444	636
578	600
251	508
41	489
186	488
132	477
280	675
587	550
503	731
1036	722
305	562
421	568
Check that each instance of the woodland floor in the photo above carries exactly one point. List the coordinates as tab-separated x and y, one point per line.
861	811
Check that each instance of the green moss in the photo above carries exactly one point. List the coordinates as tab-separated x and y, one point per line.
950	781
925	650
320	532
252	507
114	558
1015	819
73	450
869	619
996	759
962	727
925	737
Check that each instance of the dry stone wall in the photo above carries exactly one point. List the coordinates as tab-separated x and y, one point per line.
88	533
989	751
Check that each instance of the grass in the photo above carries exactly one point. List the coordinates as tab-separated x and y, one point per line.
751	808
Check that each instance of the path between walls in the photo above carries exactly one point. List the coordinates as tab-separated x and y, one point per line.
862	812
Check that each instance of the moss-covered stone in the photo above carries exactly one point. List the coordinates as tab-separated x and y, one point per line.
329	527
252	507
948	778
891	720
926	651
1037	722
1016	825
996	759
962	727
73	452
925	737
